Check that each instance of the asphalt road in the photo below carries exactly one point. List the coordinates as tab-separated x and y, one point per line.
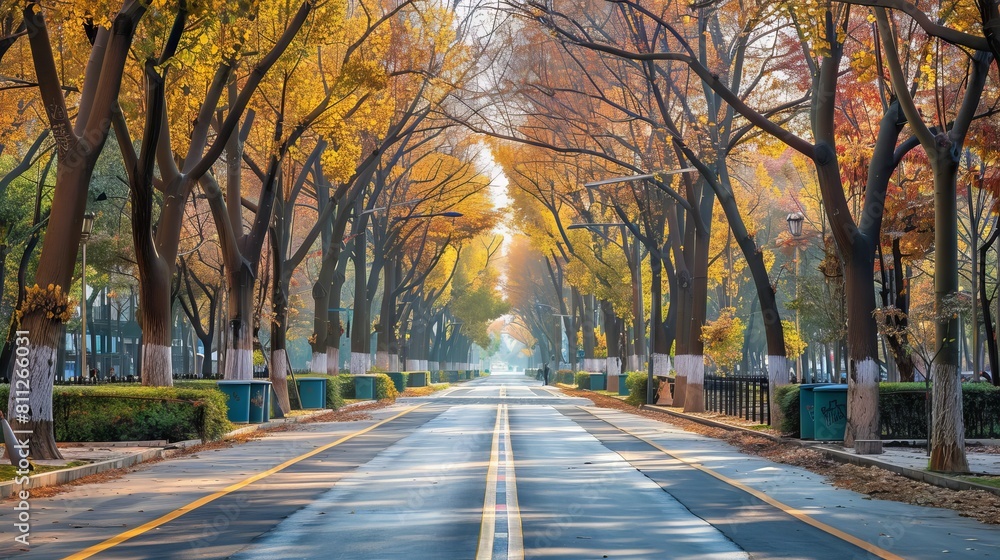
495	468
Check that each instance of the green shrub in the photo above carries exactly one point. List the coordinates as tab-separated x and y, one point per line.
135	413
435	377
582	380
346	386
636	382
564	376
787	397
399	379
385	388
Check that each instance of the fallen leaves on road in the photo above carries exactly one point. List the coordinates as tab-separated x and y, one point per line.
354	413
871	481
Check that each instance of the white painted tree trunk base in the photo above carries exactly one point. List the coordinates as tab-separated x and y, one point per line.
360	363
413	365
41	375
862	403
661	364
634	362
614	366
777	375
434	366
157	366
948	432
318	363
239	364
692	368
394	362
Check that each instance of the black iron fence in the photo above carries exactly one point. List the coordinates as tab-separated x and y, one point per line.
745	396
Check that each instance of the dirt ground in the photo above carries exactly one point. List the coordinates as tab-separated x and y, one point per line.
871	481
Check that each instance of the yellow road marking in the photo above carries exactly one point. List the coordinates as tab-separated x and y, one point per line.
796	513
488	525
132	533
515	538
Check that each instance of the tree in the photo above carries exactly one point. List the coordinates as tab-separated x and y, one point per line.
78	144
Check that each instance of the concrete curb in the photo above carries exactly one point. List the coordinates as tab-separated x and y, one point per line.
63	476
934	479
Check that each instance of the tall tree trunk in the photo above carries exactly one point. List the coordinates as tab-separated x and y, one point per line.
590	363
694	400
239	349
361	334
615	338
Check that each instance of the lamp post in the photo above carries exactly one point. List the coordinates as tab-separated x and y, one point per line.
88	227
795	220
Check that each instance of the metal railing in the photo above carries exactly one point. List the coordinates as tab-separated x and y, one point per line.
745	396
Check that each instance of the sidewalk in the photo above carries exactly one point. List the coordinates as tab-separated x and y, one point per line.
910	462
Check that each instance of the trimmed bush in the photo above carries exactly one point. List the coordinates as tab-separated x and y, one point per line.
435	377
135	413
346	385
636	382
582	380
385	388
399	380
564	376
787	397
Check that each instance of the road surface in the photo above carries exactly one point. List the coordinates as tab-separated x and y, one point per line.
498	468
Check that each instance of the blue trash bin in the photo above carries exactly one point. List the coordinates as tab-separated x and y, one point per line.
312	392
237	399
807	416
597	382
364	387
831	412
260	401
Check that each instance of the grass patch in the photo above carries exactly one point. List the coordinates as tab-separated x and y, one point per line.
9	472
759	427
993	481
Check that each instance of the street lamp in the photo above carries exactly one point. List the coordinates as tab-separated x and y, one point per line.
88	227
795	220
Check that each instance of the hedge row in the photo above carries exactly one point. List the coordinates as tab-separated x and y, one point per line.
582	380
134	413
903	410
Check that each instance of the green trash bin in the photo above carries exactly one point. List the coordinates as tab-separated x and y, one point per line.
312	392
416	379
237	399
452	376
807	416
364	387
830	412
597	382
622	386
260	401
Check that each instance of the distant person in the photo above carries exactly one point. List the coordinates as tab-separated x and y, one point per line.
545	373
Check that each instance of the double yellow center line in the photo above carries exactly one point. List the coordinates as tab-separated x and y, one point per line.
500	506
